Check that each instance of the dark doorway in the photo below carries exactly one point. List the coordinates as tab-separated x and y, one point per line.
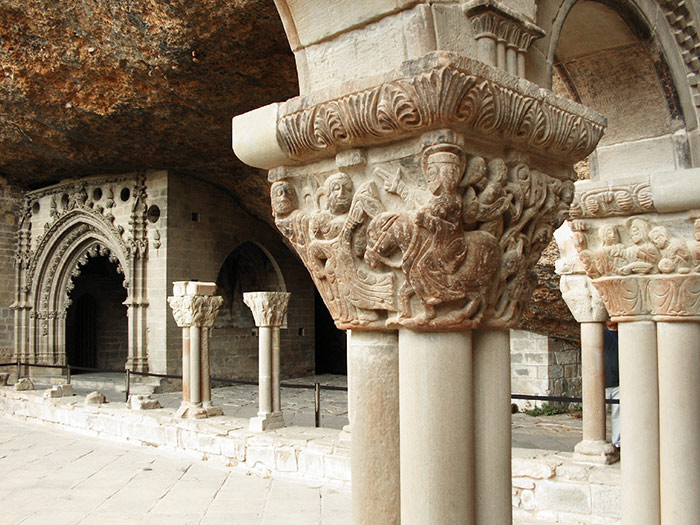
96	321
331	343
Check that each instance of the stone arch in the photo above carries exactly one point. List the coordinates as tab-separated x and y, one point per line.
627	60
48	275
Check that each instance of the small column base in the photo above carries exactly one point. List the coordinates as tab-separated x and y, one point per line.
197	411
594	451
264	422
345	434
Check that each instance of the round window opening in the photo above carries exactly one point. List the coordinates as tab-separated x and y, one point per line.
125	194
153	213
96	194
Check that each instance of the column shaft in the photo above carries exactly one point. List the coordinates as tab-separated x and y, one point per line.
195	365
492	426
435	387
593	375
276	401
374	448
204	372
265	370
186	364
639	418
679	421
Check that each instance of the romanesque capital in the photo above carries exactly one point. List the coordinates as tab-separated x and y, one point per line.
194	304
639	240
576	287
269	308
423	201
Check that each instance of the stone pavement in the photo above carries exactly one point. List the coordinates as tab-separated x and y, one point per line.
52	476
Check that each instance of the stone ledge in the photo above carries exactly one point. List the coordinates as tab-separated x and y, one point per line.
306	454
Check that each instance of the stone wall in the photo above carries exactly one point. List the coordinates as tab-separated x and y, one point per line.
543	365
206	226
10	200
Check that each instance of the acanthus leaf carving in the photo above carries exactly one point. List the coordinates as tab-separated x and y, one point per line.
195	310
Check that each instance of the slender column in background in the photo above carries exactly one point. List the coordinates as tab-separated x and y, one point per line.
269	311
195	308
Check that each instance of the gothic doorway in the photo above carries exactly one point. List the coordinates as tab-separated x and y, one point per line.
96	321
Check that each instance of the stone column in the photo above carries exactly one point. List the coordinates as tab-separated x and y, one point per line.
639	422
374	447
195	308
588	309
679	421
269	310
419	195
639	241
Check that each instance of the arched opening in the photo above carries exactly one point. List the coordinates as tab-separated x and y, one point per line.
96	320
234	348
607	58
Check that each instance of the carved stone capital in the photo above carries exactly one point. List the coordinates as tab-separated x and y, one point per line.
495	20
269	308
644	266
582	299
194	305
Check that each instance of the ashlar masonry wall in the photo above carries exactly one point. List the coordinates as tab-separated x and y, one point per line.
205	226
10	201
543	365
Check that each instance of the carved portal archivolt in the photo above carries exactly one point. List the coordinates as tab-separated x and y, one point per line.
61	228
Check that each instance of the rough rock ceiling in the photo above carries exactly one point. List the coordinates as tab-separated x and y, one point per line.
96	86
99	86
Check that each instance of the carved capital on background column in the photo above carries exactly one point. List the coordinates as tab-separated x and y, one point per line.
269	308
576	287
194	304
423	198
643	265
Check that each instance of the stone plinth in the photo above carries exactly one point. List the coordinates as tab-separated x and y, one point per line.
194	308
269	311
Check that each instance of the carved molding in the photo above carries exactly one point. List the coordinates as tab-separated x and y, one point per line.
195	310
444	239
496	21
269	308
614	200
448	90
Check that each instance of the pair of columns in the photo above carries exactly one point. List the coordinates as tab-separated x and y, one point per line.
638	241
269	311
445	398
195	308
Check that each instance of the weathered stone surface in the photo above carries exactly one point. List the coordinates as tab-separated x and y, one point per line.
120	85
24	384
142	402
4	376
95	399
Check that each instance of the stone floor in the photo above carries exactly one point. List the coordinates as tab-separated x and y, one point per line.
57	477
52	476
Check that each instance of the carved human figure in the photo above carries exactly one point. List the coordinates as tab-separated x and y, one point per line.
643	255
610	257
675	254
473	175
441	262
493	200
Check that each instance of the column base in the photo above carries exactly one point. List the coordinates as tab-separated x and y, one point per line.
345	434
197	411
594	451
264	422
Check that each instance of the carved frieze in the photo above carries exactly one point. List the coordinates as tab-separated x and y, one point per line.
447	90
620	200
441	239
644	266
